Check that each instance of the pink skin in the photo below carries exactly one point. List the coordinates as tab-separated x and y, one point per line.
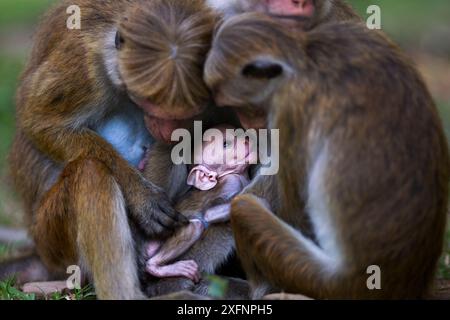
301	8
231	178
231	160
158	265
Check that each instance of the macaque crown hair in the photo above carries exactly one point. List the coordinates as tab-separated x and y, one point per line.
244	38
164	45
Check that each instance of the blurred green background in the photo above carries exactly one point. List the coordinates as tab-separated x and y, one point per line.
421	27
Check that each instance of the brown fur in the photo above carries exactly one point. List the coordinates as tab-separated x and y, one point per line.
78	191
371	160
216	246
169	68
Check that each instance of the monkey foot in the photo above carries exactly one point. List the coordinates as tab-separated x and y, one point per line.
186	268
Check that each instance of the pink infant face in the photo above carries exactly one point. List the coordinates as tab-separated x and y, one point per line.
231	152
222	154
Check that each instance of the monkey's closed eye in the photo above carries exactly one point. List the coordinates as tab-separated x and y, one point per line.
261	69
227	144
119	40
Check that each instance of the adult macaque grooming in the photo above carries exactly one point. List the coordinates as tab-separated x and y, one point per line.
298	14
371	161
81	196
220	176
295	14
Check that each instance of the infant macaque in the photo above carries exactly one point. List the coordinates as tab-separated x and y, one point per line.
219	175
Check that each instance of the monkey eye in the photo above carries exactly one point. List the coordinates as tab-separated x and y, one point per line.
119	40
262	69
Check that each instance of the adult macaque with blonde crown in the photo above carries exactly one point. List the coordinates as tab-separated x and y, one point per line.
363	159
86	200
131	60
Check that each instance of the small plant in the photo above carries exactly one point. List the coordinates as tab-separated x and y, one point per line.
4	250
86	293
218	287
9	292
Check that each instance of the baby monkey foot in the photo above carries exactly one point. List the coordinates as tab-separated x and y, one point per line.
186	268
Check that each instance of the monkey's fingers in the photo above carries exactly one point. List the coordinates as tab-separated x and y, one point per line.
168	223
190	270
178	219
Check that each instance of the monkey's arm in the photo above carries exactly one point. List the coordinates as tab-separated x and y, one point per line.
218	210
218	214
264	187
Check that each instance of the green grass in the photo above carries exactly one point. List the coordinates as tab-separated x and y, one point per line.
4	251
10	68
405	19
9	291
17	12
444	110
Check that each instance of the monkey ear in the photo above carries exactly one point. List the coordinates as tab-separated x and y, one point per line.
263	69
202	178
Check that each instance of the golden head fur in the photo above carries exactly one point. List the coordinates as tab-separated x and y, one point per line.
164	45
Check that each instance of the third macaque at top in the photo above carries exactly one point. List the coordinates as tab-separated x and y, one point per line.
302	14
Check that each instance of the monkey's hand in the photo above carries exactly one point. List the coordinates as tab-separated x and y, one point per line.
152	210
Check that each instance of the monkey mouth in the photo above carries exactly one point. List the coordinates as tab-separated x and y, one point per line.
162	129
302	23
251	119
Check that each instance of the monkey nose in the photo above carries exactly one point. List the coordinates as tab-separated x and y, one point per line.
301	8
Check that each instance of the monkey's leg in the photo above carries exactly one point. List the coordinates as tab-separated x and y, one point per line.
83	220
176	245
271	250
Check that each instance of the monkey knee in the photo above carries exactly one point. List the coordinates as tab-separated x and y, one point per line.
245	206
90	168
